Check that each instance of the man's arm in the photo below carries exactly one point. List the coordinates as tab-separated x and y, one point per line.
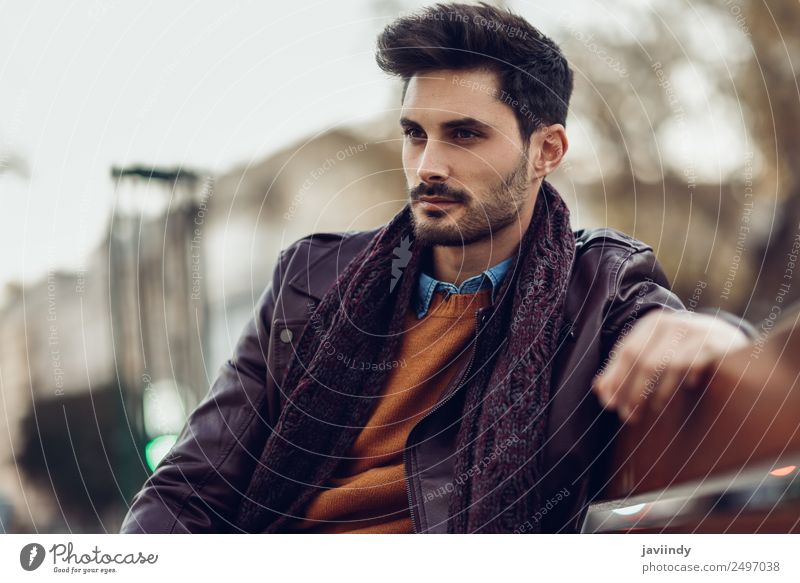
199	484
664	349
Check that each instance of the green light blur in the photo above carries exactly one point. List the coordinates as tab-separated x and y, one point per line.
157	448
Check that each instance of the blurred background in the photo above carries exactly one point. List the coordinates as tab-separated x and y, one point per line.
155	159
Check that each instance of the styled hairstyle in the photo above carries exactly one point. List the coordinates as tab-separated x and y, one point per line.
535	79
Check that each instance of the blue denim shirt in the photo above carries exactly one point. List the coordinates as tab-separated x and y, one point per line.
427	286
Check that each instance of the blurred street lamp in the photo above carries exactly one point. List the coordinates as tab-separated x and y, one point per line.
159	312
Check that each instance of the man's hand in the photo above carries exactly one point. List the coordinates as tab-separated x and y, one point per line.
663	351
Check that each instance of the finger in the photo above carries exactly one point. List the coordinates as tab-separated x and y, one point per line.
629	391
648	366
698	375
600	380
613	382
668	383
645	375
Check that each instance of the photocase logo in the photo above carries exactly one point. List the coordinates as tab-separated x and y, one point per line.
31	556
402	255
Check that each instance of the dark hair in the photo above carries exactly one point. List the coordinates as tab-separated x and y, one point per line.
535	79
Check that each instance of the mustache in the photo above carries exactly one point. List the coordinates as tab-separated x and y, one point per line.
437	189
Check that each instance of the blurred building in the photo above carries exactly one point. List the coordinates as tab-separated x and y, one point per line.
99	367
57	374
344	179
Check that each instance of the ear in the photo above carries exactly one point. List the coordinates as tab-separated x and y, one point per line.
548	146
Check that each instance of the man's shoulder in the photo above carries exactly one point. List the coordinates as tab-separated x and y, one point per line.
609	251
324	241
606	237
347	244
608	260
312	263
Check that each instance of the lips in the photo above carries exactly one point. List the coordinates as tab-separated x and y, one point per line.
437	202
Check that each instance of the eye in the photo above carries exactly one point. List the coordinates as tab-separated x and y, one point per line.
408	132
466	134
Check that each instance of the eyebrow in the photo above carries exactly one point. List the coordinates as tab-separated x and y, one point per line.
464	122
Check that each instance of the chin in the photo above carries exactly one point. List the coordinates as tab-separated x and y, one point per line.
427	234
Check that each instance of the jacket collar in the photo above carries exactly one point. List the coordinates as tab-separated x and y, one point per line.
323	257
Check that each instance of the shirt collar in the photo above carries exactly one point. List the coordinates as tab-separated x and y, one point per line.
490	278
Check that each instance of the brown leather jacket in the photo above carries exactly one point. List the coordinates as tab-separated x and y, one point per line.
199	485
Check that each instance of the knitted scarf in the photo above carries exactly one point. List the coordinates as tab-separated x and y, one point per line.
335	378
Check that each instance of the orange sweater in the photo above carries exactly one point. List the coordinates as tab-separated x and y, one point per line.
367	493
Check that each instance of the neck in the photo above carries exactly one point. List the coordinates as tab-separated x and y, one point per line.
456	264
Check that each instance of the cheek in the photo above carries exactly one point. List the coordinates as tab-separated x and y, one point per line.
490	172
479	179
483	166
409	163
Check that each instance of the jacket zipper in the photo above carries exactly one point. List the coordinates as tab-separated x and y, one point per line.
460	384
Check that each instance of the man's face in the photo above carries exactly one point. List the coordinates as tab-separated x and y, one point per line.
467	172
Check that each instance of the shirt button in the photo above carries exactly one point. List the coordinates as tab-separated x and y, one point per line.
286	335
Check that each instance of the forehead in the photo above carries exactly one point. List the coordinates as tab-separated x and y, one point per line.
452	93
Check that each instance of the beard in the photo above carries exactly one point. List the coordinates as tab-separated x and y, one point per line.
498	209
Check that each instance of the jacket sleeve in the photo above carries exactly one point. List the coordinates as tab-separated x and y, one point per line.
746	327
199	484
641	286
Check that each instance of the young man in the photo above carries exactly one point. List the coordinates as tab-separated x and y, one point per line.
438	374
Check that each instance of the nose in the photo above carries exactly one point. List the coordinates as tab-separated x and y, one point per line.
432	165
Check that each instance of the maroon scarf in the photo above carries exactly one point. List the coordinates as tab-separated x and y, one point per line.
329	400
